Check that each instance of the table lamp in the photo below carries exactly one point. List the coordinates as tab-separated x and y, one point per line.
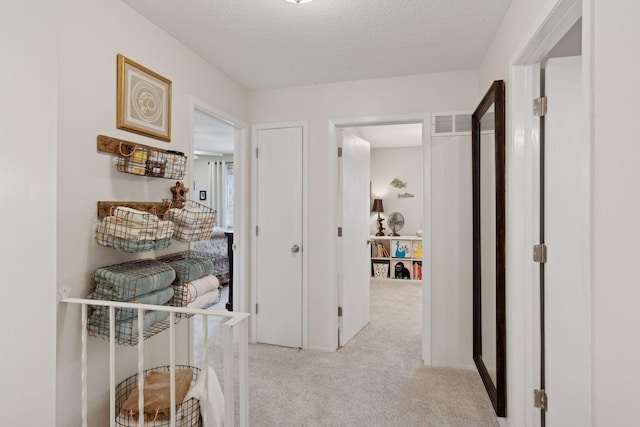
377	207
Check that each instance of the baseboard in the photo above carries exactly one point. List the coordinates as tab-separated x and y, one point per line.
322	349
436	364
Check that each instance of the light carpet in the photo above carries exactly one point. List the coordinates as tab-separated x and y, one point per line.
377	379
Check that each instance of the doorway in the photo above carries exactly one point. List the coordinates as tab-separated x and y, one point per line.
550	195
391	182
217	137
423	122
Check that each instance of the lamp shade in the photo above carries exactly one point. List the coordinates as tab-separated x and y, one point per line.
377	206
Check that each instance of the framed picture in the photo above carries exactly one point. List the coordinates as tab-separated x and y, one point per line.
144	100
203	195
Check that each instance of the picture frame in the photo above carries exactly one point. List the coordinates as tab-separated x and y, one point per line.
143	100
203	195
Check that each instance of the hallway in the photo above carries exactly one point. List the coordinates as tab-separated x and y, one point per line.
377	379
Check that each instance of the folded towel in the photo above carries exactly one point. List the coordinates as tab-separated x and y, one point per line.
134	216
190	216
207	390
126	329
190	269
125	281
112	226
159	297
205	300
201	286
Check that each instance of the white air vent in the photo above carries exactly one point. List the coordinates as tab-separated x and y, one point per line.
450	124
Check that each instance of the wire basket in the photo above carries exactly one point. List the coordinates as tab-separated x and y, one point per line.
187	412
147	161
192	221
196	284
134	231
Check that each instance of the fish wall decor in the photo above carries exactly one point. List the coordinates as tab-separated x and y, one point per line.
397	183
405	195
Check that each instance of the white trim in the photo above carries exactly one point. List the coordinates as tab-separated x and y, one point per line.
241	214
523	203
425	119
305	223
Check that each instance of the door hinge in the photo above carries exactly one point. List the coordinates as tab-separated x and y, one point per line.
540	399
540	106
339	231
256	230
256	308
339	151
339	311
256	152
540	253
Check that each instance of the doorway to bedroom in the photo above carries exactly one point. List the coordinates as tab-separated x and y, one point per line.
389	297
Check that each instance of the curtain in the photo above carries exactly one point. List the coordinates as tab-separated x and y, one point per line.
221	192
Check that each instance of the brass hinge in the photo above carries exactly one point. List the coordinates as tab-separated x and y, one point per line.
540	106
256	308
339	311
339	151
256	230
339	231
256	152
540	253
540	399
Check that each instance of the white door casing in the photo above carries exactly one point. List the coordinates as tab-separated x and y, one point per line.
279	236
355	174
566	236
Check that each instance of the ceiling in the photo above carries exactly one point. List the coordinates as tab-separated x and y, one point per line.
392	136
273	43
211	136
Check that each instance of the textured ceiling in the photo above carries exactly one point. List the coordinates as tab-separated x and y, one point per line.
274	43
392	136
212	136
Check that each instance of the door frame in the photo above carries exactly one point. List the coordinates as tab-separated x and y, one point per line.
305	225
334	124
523	204
241	212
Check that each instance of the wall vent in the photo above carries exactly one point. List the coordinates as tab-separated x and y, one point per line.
451	124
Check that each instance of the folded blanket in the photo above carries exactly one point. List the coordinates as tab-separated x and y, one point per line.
159	297
187	234
205	300
126	329
157	394
190	269
122	282
201	286
133	246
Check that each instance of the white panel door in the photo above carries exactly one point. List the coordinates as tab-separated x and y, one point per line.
279	242
354	252
566	235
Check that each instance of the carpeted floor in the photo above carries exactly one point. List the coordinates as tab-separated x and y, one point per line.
377	379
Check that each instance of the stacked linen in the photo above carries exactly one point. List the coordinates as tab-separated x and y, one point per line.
131	230
143	282
192	223
195	286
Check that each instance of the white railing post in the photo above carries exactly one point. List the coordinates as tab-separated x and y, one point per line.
229	404
140	366
243	355
172	368
112	366
83	356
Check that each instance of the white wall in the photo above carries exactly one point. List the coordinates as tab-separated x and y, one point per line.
28	163
91	35
404	163
616	341
456	91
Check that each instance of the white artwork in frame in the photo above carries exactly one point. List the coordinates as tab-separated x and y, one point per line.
144	100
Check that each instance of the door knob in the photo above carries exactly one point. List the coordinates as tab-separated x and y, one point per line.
295	249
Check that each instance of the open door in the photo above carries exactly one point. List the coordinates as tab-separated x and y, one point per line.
354	256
